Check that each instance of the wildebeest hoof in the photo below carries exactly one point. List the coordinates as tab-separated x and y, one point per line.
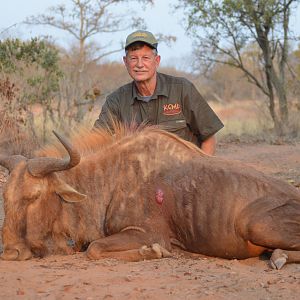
145	251
278	259
154	251
161	250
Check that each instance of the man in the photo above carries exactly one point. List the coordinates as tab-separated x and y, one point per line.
157	99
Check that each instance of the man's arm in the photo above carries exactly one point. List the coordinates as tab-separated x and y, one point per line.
209	145
109	114
202	120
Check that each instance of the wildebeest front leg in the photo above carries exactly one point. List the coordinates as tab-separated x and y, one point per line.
130	245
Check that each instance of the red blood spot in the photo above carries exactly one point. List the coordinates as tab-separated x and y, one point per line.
159	196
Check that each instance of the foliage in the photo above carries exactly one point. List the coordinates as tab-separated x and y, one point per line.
29	74
34	66
17	135
224	31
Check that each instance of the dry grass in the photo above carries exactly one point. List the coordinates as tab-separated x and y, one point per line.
250	120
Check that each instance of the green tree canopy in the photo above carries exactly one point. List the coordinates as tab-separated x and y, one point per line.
223	30
32	66
29	74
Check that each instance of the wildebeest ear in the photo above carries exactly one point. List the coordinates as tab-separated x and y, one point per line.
69	194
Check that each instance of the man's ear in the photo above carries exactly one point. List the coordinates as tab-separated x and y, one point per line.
157	60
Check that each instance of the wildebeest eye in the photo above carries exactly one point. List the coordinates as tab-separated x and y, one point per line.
32	196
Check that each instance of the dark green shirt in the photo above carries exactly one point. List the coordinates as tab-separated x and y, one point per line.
175	106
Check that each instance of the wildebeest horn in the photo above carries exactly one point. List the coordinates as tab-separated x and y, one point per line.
9	162
42	166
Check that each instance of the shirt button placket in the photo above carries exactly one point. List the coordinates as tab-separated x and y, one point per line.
150	112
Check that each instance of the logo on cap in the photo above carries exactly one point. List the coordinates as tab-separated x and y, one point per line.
140	34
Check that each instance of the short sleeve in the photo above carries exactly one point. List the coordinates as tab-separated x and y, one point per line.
200	117
109	112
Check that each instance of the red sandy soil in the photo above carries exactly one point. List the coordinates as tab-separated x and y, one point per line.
184	276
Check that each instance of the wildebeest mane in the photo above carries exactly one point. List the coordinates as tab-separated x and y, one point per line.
89	141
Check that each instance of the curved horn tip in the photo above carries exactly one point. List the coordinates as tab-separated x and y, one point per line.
56	134
41	166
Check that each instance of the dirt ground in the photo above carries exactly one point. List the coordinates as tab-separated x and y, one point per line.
180	277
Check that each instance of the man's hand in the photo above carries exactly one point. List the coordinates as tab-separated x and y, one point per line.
209	145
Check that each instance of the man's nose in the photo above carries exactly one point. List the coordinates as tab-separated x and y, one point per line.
140	62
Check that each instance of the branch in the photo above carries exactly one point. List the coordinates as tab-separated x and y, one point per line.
237	64
9	27
105	54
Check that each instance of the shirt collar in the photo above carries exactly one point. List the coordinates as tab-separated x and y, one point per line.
160	90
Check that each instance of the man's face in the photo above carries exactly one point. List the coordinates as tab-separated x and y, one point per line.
142	63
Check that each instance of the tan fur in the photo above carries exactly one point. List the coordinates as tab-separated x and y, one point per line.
87	141
140	187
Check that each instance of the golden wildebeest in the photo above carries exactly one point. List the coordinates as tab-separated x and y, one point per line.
131	196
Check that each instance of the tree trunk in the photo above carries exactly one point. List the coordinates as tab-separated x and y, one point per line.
281	90
280	119
276	122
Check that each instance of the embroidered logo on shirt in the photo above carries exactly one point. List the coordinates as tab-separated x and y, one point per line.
171	109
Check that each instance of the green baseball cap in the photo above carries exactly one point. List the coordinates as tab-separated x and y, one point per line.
141	36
